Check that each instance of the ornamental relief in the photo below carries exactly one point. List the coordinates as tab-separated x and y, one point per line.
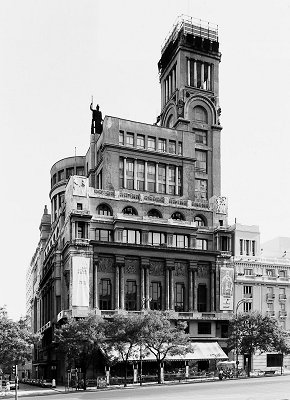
131	266
106	264
180	268
203	271
156	268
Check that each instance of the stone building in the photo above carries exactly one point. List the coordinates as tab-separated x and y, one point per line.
139	222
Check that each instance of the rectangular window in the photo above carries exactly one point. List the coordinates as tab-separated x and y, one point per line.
151	177
179	181
131	296
162	145
81	230
61	175
200	189
247	244
141	141
248	271
155	295
80	171
105	291
241	247
130	174
141	175
282	274
131	236
204	328
248	291
104	235
69	172
270	272
180	148
54	180
156	238
130	139
79	206
201	161
201	244
151	144
253	247
171	179
201	137
172	147
179	297
247	306
161	178
121	173
121	137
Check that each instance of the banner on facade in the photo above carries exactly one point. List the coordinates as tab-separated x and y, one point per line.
226	289
80	281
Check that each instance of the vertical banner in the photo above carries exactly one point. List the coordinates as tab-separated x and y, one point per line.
226	289
80	281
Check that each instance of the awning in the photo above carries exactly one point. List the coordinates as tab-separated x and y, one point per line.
200	351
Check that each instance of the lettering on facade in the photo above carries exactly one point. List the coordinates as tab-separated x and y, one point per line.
131	266
156	268
106	264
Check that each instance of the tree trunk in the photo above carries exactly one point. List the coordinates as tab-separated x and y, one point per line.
85	379
126	373
159	371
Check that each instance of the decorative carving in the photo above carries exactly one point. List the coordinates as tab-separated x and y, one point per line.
131	266
221	205
180	268
106	264
156	268
202	271
180	108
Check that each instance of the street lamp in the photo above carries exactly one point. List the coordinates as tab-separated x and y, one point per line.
236	339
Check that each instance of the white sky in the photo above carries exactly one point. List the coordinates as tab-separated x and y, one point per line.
55	54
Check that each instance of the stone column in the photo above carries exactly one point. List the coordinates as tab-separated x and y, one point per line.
188	72
194	275
171	277
147	288
122	286
167	289
190	289
96	299
167	179
209	77
125	178
117	287
142	288
202	75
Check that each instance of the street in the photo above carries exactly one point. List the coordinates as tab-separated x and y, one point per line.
269	388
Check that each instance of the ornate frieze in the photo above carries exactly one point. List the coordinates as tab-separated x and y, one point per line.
106	264
156	268
131	266
180	268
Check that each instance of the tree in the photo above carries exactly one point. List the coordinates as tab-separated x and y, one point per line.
16	340
80	339
162	338
123	336
252	332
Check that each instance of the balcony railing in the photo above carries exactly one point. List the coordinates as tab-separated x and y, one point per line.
270	313
282	314
63	314
270	296
282	297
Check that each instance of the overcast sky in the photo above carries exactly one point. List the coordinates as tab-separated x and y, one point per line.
56	54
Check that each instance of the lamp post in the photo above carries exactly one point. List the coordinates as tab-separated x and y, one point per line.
236	339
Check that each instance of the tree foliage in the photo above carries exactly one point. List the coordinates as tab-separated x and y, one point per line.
16	340
80	340
252	332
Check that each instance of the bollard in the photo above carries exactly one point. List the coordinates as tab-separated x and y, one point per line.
53	384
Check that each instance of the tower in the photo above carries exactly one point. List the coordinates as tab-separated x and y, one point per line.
189	77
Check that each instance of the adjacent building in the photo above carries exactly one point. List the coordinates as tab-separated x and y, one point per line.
140	222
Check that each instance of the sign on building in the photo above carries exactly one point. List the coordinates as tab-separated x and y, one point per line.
226	289
80	281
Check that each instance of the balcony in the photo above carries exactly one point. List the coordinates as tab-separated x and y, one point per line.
270	297
282	314
270	313
282	297
63	314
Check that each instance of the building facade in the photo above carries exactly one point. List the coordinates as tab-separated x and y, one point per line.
261	284
139	222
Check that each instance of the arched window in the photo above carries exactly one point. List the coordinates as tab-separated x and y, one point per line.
178	216
200	221
200	114
104	209
153	213
129	211
169	122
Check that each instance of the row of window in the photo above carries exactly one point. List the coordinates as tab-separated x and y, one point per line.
156	296
66	173
247	247
130	139
269	272
131	236
150	176
199	74
169	85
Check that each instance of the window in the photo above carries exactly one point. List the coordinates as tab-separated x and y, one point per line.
141	141
130	139
103	209
224	243
161	178
61	175
131	236
154	213
121	137
204	328
179	182
282	274
201	189
151	144
54	179
81	231
141	175
131	296
201	244
199	221
155	295
151	177
200	114
241	247
130	174
248	291
179	297
248	271
105	291
156	238
162	145
104	235
180	148
121	173
201	137
270	272
80	171
201	161
129	211
274	360
201	298
247	244
171	179
178	216
69	172
172	147
79	206
247	307
253	247
180	241
199	74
